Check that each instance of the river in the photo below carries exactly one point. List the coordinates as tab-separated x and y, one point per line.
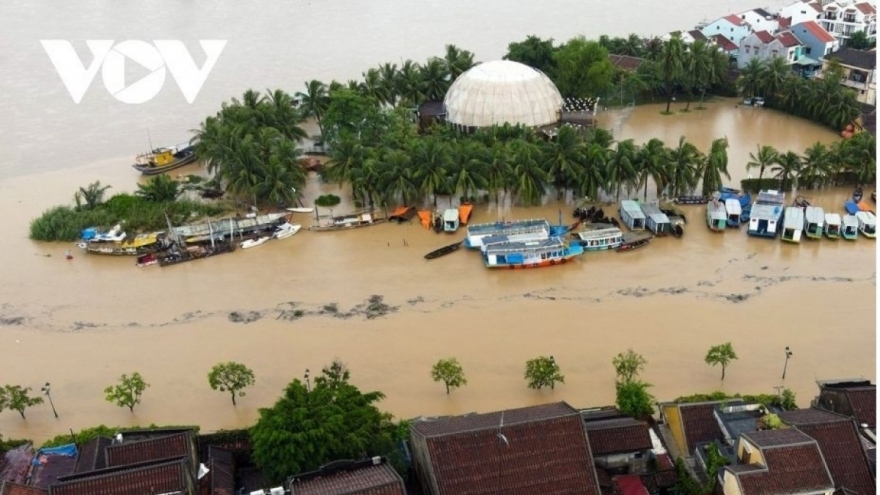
79	324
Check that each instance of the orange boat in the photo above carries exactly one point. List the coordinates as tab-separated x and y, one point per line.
464	213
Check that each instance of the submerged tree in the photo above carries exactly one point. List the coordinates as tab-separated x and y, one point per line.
543	372
231	377
450	372
128	392
16	398
722	354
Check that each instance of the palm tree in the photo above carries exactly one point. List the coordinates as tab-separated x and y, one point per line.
714	166
279	113
457	61
469	173
529	178
564	158
599	136
497	169
621	165
92	195
633	46
374	86
397	177
388	81
698	69
345	158
410	86
653	163
315	101
751	77
774	75
765	157
592	178
672	66
719	64
433	160
435	78
653	48
684	162
816	165
841	108
786	165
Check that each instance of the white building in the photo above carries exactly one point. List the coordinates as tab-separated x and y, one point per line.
799	12
731	27
759	20
754	46
842	18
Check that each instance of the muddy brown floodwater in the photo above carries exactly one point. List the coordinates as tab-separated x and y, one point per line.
79	324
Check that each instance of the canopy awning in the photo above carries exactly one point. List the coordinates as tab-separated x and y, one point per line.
807	61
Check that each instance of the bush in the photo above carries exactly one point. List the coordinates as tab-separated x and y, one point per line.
7	445
755	185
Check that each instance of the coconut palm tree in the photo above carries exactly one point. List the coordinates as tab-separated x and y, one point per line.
684	162
564	158
374	86
388	81
816	165
719	64
621	165
786	166
714	166
397	176
345	158
672	59
750	81
436	79
529	177
497	168
766	156
410	86
282	176
841	108
599	136
592	179
278	112
698	70
653	161
633	45
774	75
315	101
457	61
653	48
433	161
469	172
92	195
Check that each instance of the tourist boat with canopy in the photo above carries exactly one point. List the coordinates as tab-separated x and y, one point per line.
832	226
450	220
656	221
867	224
513	229
716	215
733	208
219	230
534	254
766	214
348	222
849	227
792	224
599	238
814	222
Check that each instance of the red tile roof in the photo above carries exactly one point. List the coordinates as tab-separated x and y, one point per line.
863	401
794	464
699	424
373	480
221	464
734	19
698	35
817	31
866	8
617	436
840	444
857	399
816	6
625	61
92	455
177	445
540	449
137	479
784	22
10	488
724	43
764	36
787	39
630	485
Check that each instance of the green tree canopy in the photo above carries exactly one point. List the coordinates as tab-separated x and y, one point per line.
231	377
633	399
450	372
543	371
722	354
128	392
307	428
534	52
159	189
628	365
16	398
583	68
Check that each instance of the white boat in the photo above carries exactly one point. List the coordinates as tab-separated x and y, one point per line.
733	209
832	226
792	224
450	220
849	227
600	239
814	222
253	242
867	223
300	210
286	230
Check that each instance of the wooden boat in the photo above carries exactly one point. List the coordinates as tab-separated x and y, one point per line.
464	213
857	195
138	245
677	229
792	224
147	260
867	224
402	214
814	222
443	251
716	215
450	220
832	226
801	202
301	210
536	254
766	214
599	239
220	230
348	222
286	230
177	255
634	240
692	200
672	211
849	227
249	243
476	232
164	159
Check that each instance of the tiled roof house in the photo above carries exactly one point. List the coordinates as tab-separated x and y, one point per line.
539	449
850	398
157	477
10	488
221	471
152	449
839	442
693	423
370	477
92	455
618	436
777	462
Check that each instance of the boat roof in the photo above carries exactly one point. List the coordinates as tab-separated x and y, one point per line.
632	208
519	247
865	217
851	207
814	214
716	209
794	217
733	206
599	233
766	211
832	218
849	220
508	226
222	224
450	215
770	197
497	239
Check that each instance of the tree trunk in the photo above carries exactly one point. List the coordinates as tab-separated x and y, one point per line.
447	388
233	397
702	97
761	175
131	408
723	369
21	411
646	189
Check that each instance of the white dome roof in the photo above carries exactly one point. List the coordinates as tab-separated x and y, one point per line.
502	91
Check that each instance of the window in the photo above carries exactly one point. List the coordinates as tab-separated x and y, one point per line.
808	51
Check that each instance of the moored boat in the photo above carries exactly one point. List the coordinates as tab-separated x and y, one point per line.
867	224
226	228
849	227
286	230
630	213
164	159
450	220
451	248
857	195
476	232
147	260
792	224
692	200
249	243
733	209
599	239
634	240
301	210
121	245
536	254
177	255
814	222
832	226
348	222
716	215
766	214
656	221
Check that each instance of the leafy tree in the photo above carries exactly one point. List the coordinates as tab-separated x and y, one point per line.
333	420
787	165
231	377
628	365
534	52
770	422
543	372
449	372
583	68
766	156
128	392
457	61
684	161
16	398
633	399
315	100
859	41
721	354
715	166
159	189
92	195
653	161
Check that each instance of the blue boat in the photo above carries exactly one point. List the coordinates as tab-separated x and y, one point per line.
533	254
851	207
476	232
765	215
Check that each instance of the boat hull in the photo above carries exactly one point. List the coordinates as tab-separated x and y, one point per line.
148	170
542	264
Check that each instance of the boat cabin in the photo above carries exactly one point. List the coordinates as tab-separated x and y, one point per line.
766	214
522	237
476	232
600	239
867	223
814	222
631	214
792	224
716	215
545	252
849	227
450	220
734	212
655	220
832	225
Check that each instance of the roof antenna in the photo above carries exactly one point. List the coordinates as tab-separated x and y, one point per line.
501	435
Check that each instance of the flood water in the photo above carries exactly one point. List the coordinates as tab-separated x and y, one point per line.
79	324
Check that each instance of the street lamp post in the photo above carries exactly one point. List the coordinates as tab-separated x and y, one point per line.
788	355
308	384
47	390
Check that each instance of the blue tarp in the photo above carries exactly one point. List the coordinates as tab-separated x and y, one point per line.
88	234
68	450
851	207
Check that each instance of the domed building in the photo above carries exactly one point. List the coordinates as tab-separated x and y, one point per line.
501	92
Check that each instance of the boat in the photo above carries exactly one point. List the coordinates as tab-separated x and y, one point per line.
867	224
692	200
851	207
758	101
443	251
348	222
631	215
766	213
219	230
792	224
301	210
476	232
177	254
115	234
599	239
849	227
147	260
450	220
634	240
672	211
286	230
524	237
121	245
716	215
857	195
402	214
814	222
655	220
832	226
801	202
464	213
734	212
249	243
535	254
164	159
